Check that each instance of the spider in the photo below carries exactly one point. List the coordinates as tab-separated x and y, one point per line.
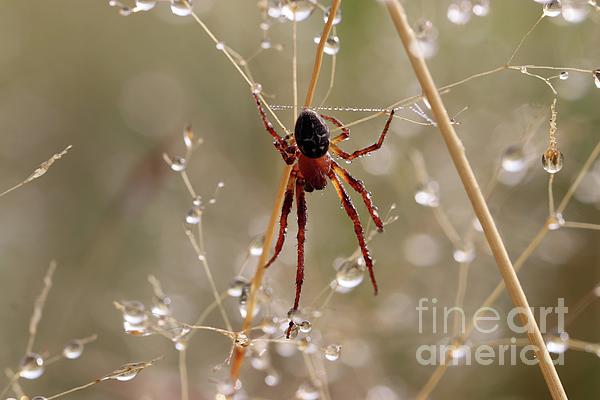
313	166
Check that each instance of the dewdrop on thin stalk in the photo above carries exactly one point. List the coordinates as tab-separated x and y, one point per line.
481	8
552	8
180	8
564	75
552	160
513	158
307	391
73	349
337	17
193	216
257	87
350	273
332	352
256	246
39	398
297	10
597	78
459	12
237	286
31	366
145	5
426	35
555	221
332	44
178	164
134	312
427	194
558	345
465	254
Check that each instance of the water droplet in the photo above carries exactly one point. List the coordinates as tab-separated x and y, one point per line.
189	139
459	13
134	312
273	378
350	273
256	88
477	225
145	5
127	374
161	306
256	246
305	326
564	75
237	286
178	7
228	388
125	11
552	8
481	8
523	70
427	194
31	366
265	44
597	78
193	216
575	12
306	346
73	349
332	44
307	391
426	35
274	10
244	309
558	344
336	19
292	331
38	398
298	10
332	352
555	221
264	26
242	340
178	164
465	254
552	160
513	158
140	329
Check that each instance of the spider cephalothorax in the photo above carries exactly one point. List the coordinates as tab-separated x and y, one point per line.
313	166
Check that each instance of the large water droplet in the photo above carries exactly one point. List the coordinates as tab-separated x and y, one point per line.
552	8
178	7
31	366
464	254
145	5
481	8
426	35
237	286
332	44
305	326
73	349
574	11
552	160
332	352
178	164
564	75
427	194
298	10
307	391
350	274
336	19
134	312
193	216
513	158
555	221
256	246
558	344
459	13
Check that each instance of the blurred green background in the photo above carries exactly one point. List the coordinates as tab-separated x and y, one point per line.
120	90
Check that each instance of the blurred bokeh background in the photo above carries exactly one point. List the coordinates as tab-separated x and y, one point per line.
121	89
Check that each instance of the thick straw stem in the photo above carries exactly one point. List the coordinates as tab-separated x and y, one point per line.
238	358
463	167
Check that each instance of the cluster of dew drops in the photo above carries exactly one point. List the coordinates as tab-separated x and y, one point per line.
178	7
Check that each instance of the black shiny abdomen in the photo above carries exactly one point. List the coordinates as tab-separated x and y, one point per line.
311	134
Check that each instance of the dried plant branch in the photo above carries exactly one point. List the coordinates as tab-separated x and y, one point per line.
38	307
476	197
41	170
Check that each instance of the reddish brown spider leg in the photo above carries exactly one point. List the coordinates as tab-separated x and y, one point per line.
288	200
368	149
301	210
345	132
353	214
280	144
359	186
